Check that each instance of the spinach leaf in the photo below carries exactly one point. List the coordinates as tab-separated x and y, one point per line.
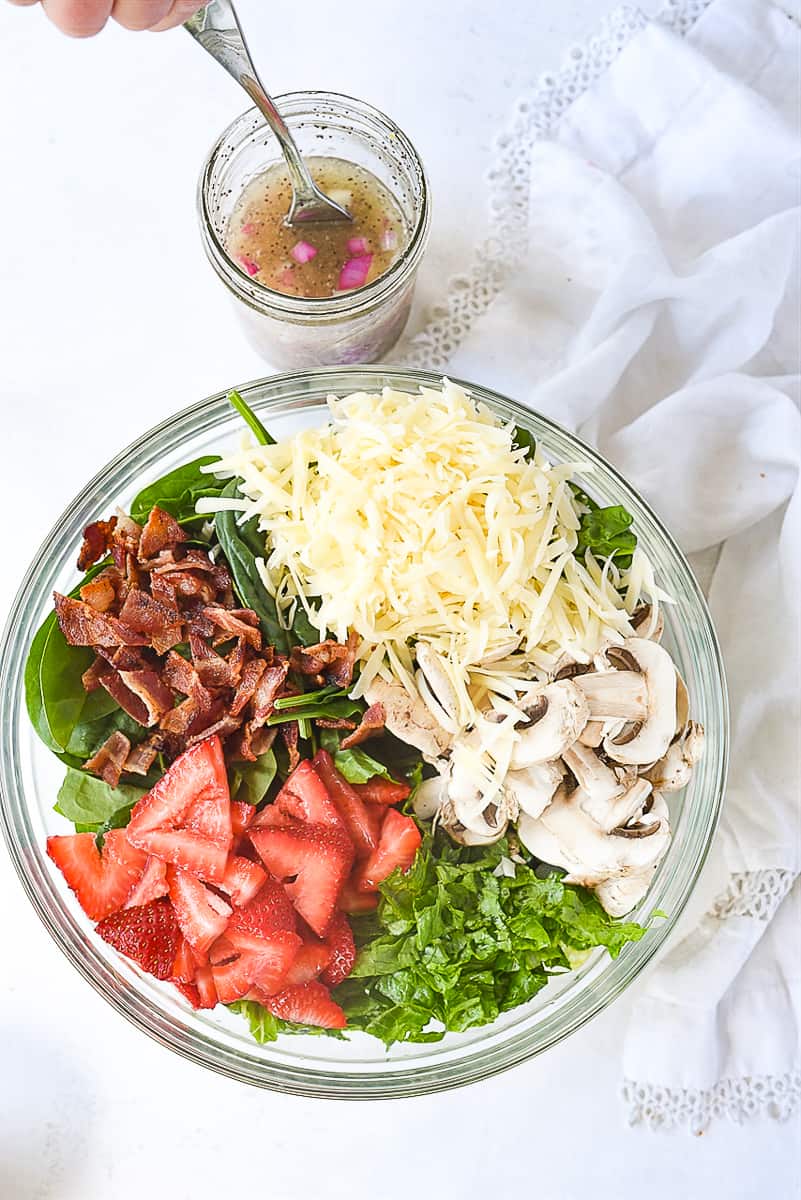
357	766
606	533
178	492
54	693
333	708
249	417
303	632
241	548
90	732
249	781
92	804
523	440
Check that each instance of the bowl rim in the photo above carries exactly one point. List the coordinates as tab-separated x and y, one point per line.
507	1048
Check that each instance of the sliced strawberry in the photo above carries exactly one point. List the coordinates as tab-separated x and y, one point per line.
242	879
207	993
339	941
304	797
400	841
311	959
242	816
307	1004
222	950
188	991
184	967
148	934
315	860
268	912
352	900
350	805
375	819
186	818
201	914
267	968
382	791
272	817
151	886
103	881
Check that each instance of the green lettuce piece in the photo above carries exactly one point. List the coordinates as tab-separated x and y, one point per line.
357	766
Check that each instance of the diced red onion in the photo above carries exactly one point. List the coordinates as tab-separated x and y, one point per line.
303	252
354	273
357	245
250	266
388	239
287	276
248	228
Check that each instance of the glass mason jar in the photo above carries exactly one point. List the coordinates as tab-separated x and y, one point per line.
360	326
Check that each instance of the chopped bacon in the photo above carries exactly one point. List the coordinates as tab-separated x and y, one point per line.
91	678
155	695
82	626
291	733
372	722
109	761
96	541
237	622
267	690
249	681
128	701
224	727
99	593
333	660
212	669
142	757
125	541
188	584
159	621
335	723
179	674
162	532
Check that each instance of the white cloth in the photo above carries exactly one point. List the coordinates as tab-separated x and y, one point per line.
647	295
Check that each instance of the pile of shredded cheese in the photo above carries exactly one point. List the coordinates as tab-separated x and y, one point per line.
416	517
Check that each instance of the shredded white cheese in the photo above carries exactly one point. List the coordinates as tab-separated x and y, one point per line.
414	516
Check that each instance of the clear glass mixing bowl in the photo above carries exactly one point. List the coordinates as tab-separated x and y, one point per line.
359	1068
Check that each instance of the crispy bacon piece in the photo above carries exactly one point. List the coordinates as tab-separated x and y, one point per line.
179	674
291	733
99	593
334	723
128	701
267	690
155	695
333	660
125	541
212	669
235	622
91	678
224	727
371	723
142	757
161	532
109	760
96	541
249	681
82	626
159	621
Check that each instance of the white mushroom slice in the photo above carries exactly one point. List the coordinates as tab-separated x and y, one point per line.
620	896
611	796
531	789
567	837
650	742
682	705
430	796
594	732
646	625
500	652
438	680
622	694
556	713
409	719
479	833
674	771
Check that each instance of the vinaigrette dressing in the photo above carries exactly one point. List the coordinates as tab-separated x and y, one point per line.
322	259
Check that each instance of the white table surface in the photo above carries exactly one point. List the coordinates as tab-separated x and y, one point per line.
110	319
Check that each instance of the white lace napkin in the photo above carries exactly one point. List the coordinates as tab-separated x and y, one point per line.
642	286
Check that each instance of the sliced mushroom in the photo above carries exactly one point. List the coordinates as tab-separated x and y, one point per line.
609	795
500	652
682	705
674	770
554	717
621	694
659	721
430	796
481	832
567	837
594	732
532	788
620	896
646	624
436	689
409	719
467	814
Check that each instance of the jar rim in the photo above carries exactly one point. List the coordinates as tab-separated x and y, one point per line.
258	295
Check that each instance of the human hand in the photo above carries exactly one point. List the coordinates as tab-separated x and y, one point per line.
84	18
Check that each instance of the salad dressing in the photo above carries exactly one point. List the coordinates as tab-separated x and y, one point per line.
320	260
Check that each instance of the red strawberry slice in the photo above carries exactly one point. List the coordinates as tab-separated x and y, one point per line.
188	991
400	841
201	914
207	993
351	807
242	879
102	881
307	1004
375	819
272	817
222	950
151	886
311	959
304	797
184	967
315	860
382	791
340	942
186	818
148	934
351	900
267	913
242	816
265	967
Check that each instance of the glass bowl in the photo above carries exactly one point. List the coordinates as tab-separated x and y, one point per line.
358	326
359	1068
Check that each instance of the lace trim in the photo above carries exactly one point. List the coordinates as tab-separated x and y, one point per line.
756	894
743	1099
535	116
